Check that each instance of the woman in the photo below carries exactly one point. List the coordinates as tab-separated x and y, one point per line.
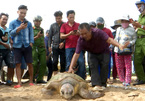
124	34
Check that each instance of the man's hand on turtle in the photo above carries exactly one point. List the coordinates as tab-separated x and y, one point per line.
70	70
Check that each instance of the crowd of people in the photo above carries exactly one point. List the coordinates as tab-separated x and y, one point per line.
23	45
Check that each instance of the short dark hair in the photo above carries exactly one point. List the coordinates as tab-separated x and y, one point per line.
84	25
22	7
70	12
1	14
58	13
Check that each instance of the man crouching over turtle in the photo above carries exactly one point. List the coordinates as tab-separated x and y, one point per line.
95	41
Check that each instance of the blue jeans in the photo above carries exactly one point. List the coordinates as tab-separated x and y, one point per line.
81	62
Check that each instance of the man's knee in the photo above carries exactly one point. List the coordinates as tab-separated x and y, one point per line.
29	65
18	65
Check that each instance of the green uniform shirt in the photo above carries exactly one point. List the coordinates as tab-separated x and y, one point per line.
40	41
141	20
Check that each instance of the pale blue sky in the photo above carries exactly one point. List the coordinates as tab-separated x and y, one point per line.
86	10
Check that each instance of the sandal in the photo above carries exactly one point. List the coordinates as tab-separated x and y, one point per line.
31	84
109	82
17	86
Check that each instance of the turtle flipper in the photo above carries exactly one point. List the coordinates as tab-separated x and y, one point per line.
52	85
88	94
50	88
48	91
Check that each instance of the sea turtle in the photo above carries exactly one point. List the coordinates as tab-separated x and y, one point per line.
68	85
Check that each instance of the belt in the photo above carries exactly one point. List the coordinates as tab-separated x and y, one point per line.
141	36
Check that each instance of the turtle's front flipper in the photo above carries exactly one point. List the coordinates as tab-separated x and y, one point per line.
50	88
48	91
88	94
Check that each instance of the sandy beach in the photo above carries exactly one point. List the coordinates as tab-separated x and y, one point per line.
114	92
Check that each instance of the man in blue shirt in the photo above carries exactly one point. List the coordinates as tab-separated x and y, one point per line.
23	39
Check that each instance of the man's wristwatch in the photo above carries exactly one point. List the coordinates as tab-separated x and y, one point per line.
142	26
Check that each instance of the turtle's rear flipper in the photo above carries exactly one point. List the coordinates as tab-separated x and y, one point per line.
88	94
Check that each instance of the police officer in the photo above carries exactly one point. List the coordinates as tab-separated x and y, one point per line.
140	46
38	51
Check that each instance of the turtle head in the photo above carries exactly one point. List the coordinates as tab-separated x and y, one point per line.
67	91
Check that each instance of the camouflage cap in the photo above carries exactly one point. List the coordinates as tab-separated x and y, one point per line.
37	18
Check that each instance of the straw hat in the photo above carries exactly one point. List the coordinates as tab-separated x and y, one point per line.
116	24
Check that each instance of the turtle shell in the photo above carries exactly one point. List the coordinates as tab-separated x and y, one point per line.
61	76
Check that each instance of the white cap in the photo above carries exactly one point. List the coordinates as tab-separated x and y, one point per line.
125	17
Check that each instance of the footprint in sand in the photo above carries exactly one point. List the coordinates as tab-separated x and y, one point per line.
6	98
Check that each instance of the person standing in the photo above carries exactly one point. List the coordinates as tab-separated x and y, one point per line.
48	57
58	45
5	53
99	53
100	23
38	51
139	45
92	25
114	70
124	34
23	39
69	32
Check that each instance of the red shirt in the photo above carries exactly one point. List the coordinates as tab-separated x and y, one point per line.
70	41
108	31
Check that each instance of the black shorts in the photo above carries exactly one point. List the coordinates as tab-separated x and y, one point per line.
5	55
25	52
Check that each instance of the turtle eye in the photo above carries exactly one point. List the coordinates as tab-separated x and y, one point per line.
71	92
62	92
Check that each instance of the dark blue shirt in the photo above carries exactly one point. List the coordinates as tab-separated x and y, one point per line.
46	44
